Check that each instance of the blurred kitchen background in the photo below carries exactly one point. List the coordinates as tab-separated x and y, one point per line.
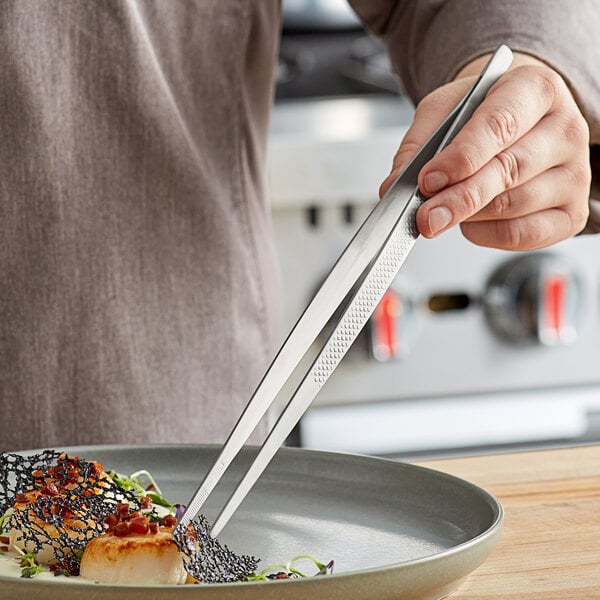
473	349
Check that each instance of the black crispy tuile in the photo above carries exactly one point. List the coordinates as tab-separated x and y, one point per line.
77	515
16	474
206	559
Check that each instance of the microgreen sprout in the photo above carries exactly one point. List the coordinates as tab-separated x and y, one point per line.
138	482
28	563
289	570
141	483
4	519
140	476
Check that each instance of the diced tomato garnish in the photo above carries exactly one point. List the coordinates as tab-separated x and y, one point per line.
139	525
122	529
168	521
111	520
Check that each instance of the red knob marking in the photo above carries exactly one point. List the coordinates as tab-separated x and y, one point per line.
386	338
555	288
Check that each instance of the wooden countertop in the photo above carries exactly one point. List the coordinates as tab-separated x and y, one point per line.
550	544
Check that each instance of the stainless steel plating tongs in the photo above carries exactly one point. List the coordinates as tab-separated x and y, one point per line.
368	265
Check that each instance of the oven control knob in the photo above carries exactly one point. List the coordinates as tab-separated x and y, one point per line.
534	298
392	325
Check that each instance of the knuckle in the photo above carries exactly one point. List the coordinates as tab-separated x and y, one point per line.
578	215
500	206
464	159
539	236
548	82
509	168
502	124
509	234
580	174
471	200
580	220
576	130
531	233
426	103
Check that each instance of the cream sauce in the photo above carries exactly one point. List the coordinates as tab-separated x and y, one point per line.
9	567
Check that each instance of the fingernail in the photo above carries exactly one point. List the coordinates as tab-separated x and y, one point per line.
438	218
435	181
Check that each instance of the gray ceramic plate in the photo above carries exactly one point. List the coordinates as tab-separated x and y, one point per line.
394	530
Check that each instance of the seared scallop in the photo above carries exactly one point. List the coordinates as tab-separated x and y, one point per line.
147	559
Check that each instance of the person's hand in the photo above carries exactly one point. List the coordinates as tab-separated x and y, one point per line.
517	176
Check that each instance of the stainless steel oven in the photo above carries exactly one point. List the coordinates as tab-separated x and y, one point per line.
472	348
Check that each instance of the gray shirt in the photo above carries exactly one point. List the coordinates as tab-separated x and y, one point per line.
139	295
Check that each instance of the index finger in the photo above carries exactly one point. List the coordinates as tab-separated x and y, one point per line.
512	107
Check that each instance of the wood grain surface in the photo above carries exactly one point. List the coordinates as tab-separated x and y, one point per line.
550	545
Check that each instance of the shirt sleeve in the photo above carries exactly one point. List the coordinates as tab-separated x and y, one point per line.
429	41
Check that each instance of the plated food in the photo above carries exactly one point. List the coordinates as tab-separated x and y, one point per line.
395	530
71	517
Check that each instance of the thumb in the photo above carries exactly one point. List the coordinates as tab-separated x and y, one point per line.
430	112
